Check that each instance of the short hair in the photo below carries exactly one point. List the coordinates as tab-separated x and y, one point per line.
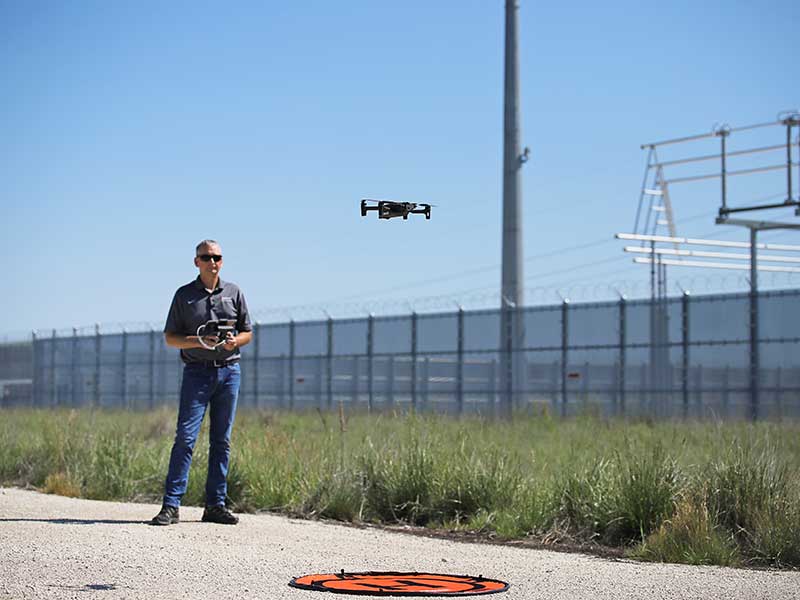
205	243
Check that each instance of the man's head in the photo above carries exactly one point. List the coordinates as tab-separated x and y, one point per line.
208	258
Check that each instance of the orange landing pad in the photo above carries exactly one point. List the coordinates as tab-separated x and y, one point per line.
399	584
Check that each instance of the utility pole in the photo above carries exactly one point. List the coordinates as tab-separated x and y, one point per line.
511	329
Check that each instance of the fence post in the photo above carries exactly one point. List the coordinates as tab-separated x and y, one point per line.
36	386
685	356
73	379
390	380
124	374
492	387
414	360
370	339
151	400
699	372
356	377
622	354
53	391
162	374
507	365
318	392
329	360
564	354
282	381
725	390
585	386
755	361
426	367
644	383
779	394
256	365
291	364
460	363
98	346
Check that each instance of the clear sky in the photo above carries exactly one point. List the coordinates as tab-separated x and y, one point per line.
132	130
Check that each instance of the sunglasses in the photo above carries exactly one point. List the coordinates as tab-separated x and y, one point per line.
208	257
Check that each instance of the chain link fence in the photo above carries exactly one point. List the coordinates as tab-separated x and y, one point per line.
690	357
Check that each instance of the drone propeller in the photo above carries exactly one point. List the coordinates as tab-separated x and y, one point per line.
396	201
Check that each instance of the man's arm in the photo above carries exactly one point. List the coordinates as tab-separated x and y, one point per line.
184	342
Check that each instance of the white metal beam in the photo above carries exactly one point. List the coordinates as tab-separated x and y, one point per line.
714	265
700	242
704	254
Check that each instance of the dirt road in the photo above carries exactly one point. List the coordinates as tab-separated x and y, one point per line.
53	547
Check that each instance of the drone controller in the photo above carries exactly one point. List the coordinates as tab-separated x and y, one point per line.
215	328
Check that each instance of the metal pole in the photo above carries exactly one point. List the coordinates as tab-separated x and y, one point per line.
124	374
390	380
796	121
754	351
370	339
97	364
319	385
414	360
329	360
724	170
491	379
257	365
622	354
356	377
653	333
282	381
508	370
152	370
73	379
564	351
291	364
426	369
685	357
788	160
460	363
726	378
642	193
36	386
513	159
53	391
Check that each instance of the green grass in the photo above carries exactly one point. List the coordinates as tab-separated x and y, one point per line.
698	493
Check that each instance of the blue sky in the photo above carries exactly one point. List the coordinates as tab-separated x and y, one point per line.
131	130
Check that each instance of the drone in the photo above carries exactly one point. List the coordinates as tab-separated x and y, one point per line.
388	208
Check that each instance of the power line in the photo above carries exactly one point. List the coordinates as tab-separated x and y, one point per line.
461	274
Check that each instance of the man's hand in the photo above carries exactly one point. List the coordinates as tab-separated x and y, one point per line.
230	341
210	340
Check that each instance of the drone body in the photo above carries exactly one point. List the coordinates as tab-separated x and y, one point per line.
388	209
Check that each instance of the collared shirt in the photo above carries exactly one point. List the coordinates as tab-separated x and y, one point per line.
192	306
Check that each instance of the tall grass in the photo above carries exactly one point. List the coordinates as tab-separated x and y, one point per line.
701	493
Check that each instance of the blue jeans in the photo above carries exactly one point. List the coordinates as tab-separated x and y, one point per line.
203	387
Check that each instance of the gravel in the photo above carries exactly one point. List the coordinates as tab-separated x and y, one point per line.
55	547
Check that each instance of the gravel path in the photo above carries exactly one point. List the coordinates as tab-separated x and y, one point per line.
54	547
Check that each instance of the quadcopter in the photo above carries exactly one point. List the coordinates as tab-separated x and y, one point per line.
388	209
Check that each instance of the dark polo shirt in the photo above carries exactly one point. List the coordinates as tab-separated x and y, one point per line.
192	306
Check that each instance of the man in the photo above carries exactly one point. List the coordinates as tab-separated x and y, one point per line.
210	381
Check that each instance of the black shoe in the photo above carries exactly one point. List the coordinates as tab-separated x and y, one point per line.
219	514
167	516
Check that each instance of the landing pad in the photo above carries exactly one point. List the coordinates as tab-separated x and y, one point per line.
388	583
